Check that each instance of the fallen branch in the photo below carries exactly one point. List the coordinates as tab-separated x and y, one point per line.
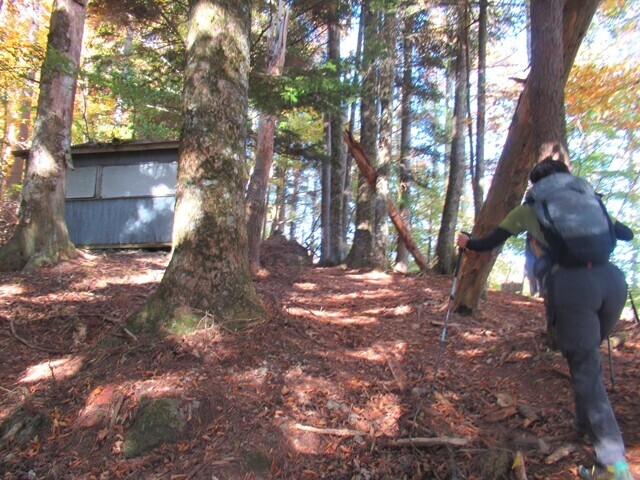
30	345
135	339
339	432
427	442
563	451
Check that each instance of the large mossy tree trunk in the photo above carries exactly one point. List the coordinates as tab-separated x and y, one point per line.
517	158
41	237
208	276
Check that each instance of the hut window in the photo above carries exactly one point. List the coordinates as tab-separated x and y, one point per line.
141	180
81	182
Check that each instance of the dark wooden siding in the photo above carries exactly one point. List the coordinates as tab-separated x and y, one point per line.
120	221
121	198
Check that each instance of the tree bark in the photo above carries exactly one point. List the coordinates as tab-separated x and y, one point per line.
338	158
517	158
257	189
478	171
41	237
209	269
325	199
280	211
361	253
549	134
387	81
445	252
293	204
404	193
352	120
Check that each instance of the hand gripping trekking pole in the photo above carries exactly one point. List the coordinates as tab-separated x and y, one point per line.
443	334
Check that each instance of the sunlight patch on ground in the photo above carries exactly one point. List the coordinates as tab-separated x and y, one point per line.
521	355
11	289
307	287
53	370
485	336
381	353
384	413
370	355
380	278
472	352
302	388
353	320
396	311
380	293
255	377
338	317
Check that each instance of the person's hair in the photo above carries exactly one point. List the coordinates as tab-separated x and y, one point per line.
547	167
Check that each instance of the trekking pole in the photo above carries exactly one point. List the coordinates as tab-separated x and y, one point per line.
613	378
633	306
443	334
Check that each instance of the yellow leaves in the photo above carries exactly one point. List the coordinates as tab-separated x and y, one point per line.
607	94
609	6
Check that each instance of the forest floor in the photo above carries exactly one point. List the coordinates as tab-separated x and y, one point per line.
328	385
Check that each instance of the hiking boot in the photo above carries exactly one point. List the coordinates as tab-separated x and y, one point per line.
619	471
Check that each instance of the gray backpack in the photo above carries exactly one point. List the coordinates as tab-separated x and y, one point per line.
574	220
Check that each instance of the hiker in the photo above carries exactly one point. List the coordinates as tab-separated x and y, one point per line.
584	293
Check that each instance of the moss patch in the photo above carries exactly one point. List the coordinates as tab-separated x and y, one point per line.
159	422
22	427
257	462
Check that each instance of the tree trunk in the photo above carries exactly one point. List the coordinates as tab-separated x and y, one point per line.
293	204
478	171
352	120
360	255
549	133
517	158
387	77
209	271
445	252
257	189
325	199
404	194
338	158
280	212
16	172
41	237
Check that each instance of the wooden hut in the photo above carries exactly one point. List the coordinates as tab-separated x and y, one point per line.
121	195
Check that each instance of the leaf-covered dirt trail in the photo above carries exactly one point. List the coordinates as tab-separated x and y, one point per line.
337	382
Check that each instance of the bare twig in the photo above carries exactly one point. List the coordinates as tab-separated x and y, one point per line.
130	334
427	442
31	345
340	432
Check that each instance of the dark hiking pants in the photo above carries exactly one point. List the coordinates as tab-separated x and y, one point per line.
585	304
